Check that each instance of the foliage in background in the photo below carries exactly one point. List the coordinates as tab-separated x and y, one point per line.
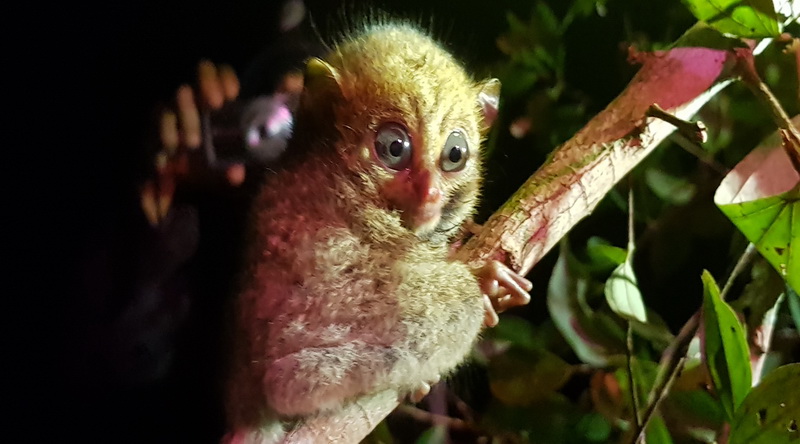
601	341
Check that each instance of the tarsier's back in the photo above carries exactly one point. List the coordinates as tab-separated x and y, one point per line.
349	289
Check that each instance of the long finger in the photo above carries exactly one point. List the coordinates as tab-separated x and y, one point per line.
419	393
168	132
189	117
209	84
229	82
515	284
503	304
490	318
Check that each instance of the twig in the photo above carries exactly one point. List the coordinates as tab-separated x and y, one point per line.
694	149
629	337
695	131
631	380
675	355
790	134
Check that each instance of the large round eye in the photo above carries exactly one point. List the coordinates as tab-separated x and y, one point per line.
455	153
393	146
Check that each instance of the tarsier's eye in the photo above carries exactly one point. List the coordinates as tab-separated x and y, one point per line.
455	153
393	146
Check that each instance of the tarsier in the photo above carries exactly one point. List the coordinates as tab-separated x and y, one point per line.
349	287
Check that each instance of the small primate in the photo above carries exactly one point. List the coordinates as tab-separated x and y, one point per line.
349	287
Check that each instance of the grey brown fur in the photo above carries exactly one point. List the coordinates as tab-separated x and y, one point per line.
343	297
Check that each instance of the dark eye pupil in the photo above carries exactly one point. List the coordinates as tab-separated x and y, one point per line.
396	148
455	154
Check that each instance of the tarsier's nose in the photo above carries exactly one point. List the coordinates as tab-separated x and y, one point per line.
426	192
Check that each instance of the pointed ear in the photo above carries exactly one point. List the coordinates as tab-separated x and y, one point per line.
489	99
321	92
321	79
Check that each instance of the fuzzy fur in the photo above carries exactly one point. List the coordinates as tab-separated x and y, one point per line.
341	298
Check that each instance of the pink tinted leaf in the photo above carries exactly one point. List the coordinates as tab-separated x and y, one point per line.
595	341
761	196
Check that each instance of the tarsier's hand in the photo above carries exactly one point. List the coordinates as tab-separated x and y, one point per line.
422	390
501	286
180	137
502	289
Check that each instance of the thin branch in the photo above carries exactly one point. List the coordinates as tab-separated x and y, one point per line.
675	355
637	419
695	131
697	151
629	337
790	134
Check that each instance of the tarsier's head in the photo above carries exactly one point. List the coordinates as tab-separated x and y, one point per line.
410	121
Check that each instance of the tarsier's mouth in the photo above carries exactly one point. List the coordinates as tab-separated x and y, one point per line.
443	222
454	201
425	219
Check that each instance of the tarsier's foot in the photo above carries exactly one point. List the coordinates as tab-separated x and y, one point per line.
179	136
422	390
502	289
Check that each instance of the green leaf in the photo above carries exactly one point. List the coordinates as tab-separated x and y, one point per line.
657	432
545	17
516	25
761	196
793	299
695	408
601	252
434	435
379	435
594	428
551	420
669	188
654	330
516	331
702	35
771	224
741	18
771	412
522	377
644	375
726	349
623	295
